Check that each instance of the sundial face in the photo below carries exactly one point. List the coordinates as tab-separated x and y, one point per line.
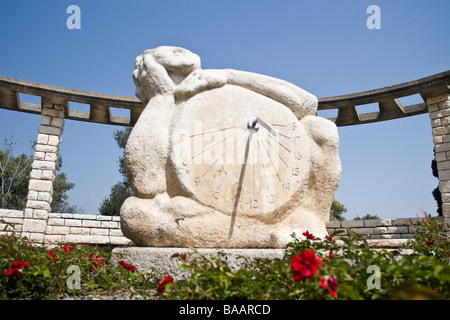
239	152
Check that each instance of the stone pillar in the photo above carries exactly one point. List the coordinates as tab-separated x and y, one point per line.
439	111
40	187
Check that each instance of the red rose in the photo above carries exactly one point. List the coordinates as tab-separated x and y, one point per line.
330	237
323	282
96	260
12	272
162	284
127	266
331	283
16	268
52	254
66	248
332	286
308	235
305	265
19	264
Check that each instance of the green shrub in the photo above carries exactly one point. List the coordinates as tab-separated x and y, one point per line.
74	270
348	267
341	266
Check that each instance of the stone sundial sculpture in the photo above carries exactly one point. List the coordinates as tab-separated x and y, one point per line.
225	158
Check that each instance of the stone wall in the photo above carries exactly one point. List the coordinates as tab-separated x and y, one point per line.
98	229
69	228
439	112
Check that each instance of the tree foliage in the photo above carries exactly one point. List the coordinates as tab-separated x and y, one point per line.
111	205
436	192
14	178
337	211
367	216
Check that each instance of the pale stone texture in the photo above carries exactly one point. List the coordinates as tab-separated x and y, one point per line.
167	260
254	190
40	186
439	112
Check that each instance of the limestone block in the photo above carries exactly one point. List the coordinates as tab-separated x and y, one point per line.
119	240
334	224
34	225
40	214
111	225
444	174
58	230
444	186
54	140
36	204
438	131
83	216
444	105
377	222
234	159
40	185
46	120
36	237
352	223
70	238
57	122
52	112
11	213
363	230
404	221
433	107
440	139
443	165
55	221
91	223
46	148
50	156
80	231
53	238
397	230
439	114
442	147
116	233
28	213
32	195
49	130
441	156
439	98
39	155
45	196
42	138
99	232
73	223
103	218
44	165
47	175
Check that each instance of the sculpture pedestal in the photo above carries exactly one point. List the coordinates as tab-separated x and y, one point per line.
166	261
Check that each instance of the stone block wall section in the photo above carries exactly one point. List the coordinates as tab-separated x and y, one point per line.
101	230
40	186
69	228
439	111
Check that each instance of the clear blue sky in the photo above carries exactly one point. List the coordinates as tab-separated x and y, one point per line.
322	46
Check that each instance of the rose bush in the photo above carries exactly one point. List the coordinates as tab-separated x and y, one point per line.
36	272
340	266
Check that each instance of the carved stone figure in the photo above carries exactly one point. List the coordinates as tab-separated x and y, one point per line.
225	158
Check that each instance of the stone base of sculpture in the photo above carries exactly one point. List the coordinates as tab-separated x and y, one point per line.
167	261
